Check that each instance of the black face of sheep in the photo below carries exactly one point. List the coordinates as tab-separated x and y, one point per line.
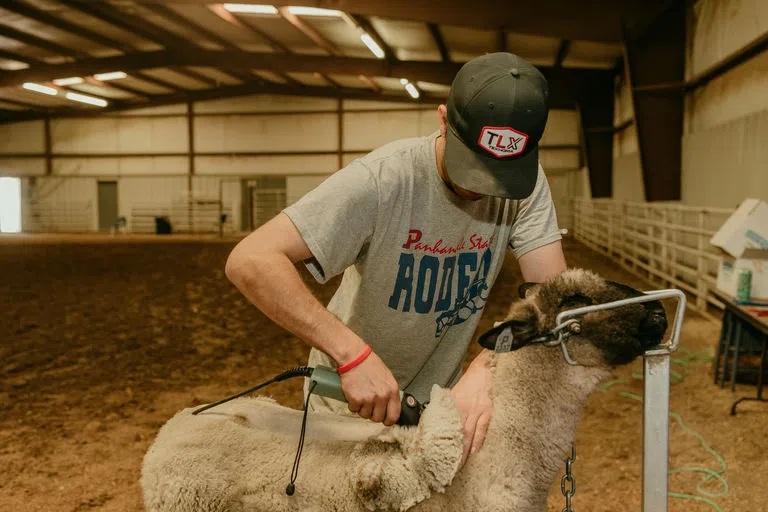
619	335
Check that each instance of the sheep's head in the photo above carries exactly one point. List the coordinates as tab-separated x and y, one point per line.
607	338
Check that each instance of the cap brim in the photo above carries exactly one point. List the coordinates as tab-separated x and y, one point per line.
514	178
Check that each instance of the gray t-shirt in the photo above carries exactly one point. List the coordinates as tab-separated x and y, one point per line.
418	261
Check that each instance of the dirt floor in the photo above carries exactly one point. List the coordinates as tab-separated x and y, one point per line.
103	342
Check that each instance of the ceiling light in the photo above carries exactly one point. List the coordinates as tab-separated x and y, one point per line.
412	90
82	98
313	11
403	81
251	9
371	44
40	88
68	81
114	75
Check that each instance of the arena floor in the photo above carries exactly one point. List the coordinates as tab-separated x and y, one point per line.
103	342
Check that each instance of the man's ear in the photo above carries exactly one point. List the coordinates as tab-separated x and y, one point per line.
522	325
524	288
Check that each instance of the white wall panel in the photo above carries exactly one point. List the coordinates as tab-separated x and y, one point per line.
62	203
233	133
628	178
120	166
559	158
115	135
22	166
724	165
364	131
738	93
275	165
722	27
265	103
26	137
562	128
297	186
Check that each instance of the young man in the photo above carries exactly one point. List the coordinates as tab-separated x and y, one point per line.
419	228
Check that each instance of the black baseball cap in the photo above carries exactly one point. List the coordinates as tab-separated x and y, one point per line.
497	111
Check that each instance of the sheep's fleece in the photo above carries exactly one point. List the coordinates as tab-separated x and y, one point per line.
238	456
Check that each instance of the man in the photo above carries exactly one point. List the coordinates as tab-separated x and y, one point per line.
419	228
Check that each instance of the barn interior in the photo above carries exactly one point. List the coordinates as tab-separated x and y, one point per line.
140	140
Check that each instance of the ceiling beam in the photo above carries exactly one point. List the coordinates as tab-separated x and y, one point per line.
563	82
562	52
309	31
231	91
587	20
439	41
177	18
237	21
366	25
141	27
437	72
5	54
46	18
23	37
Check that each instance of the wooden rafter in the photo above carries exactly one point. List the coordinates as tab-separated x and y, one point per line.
177	18
237	21
366	25
437	36
142	28
562	52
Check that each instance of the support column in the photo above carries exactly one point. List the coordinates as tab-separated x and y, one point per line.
596	117
656	62
48	146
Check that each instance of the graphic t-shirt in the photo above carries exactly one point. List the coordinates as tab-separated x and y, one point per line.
418	261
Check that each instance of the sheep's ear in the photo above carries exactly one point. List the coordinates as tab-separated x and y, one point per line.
524	289
512	334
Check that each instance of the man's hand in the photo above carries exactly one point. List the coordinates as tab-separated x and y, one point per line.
473	398
372	391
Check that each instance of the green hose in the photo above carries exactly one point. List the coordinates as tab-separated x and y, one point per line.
675	376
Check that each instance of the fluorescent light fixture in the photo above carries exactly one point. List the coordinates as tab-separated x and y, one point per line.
313	11
403	81
251	9
82	98
40	88
113	75
371	44
412	90
68	81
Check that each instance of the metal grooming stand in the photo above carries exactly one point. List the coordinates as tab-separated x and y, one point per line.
656	397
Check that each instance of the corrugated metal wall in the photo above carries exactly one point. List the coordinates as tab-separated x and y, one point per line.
236	140
725	158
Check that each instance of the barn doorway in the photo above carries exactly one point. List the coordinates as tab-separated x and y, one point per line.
10	205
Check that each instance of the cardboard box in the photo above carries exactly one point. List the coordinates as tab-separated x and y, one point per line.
730	267
744	241
746	228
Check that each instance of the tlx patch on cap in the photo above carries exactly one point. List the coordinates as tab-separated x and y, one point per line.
502	141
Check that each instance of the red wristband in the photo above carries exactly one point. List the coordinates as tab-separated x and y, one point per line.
356	361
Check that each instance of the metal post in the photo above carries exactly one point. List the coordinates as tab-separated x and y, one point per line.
656	397
656	431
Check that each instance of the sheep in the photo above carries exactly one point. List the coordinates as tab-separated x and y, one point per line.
238	456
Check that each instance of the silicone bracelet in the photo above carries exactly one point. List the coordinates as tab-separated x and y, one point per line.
356	361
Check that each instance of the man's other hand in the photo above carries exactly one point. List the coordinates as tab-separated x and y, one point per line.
472	395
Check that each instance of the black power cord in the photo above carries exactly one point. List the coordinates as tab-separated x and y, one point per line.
291	487
299	371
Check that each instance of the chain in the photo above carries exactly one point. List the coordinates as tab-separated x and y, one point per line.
568	482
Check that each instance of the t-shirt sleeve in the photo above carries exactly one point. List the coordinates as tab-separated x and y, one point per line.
337	219
536	222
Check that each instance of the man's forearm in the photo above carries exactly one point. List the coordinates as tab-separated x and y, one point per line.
270	281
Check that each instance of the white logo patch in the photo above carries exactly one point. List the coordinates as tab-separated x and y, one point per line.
502	141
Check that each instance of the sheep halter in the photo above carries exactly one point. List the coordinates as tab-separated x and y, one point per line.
569	322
